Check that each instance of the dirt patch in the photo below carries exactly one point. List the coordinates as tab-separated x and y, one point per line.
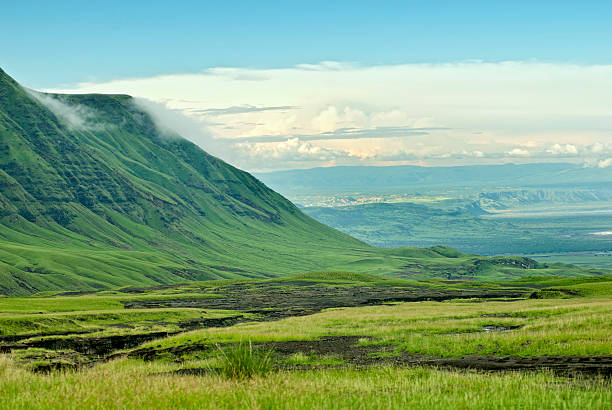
346	348
174	352
9	347
40	361
594	365
275	300
213	322
96	346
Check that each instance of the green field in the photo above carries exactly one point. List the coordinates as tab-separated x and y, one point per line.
335	340
129	384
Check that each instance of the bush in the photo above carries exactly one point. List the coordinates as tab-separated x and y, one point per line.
241	361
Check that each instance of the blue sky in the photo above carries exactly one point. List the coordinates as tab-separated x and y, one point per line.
47	44
271	85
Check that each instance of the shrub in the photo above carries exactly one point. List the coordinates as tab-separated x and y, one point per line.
241	361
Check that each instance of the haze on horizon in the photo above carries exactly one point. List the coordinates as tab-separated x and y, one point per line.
310	85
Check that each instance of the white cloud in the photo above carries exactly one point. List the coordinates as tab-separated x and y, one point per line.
291	150
518	152
598	148
74	116
566	149
351	117
605	163
518	109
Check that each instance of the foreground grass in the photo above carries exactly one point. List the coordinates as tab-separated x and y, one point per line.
129	384
241	361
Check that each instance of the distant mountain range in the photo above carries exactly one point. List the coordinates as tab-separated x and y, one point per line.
539	208
414	178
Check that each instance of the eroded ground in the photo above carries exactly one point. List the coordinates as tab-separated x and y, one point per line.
322	322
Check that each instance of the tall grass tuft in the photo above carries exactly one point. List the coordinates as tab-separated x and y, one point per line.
241	361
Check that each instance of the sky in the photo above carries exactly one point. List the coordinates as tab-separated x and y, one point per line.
280	85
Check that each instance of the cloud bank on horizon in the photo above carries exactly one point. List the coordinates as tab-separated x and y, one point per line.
427	114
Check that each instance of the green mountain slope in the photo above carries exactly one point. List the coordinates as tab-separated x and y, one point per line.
115	201
93	195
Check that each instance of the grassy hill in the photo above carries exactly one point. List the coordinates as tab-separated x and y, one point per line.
94	195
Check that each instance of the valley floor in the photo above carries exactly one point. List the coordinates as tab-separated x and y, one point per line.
331	340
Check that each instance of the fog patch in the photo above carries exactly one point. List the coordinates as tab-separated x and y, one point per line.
174	124
73	116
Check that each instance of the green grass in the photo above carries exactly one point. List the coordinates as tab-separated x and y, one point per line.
312	359
129	384
101	301
98	312
600	259
57	304
136	320
451	329
237	371
242	361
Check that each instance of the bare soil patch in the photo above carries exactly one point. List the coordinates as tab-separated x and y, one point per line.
347	349
274	300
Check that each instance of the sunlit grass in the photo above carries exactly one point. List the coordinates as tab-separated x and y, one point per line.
545	327
242	361
129	384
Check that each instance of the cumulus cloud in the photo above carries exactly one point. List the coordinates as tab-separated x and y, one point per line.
605	163
518	152
291	150
566	149
599	148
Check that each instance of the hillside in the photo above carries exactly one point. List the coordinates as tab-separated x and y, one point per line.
112	200
94	195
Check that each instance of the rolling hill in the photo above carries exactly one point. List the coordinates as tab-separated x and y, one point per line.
94	195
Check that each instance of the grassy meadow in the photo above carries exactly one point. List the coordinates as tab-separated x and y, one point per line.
134	384
383	354
572	326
